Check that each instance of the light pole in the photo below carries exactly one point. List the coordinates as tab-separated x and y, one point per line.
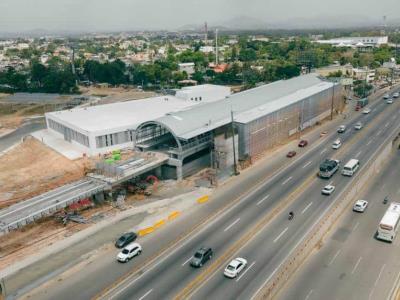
236	172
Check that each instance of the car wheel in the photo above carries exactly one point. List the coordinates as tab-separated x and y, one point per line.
139	252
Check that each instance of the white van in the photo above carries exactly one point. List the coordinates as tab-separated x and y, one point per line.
351	167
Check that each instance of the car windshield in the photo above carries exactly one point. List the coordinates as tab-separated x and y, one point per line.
198	255
231	268
125	251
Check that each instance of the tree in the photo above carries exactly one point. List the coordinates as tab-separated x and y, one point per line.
247	54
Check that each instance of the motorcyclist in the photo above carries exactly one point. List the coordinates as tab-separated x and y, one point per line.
291	215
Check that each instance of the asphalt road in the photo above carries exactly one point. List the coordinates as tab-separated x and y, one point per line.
171	272
27	128
352	264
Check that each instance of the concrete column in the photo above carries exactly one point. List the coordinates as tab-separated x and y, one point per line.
99	197
158	172
179	173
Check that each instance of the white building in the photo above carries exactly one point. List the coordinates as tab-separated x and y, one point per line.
368	41
364	74
187	67
103	128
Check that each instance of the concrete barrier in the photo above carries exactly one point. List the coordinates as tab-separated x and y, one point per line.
173	215
159	224
146	231
314	236
203	199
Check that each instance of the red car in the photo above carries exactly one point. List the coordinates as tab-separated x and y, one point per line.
291	154
303	143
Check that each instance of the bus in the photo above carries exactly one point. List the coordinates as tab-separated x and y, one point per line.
351	167
328	167
389	224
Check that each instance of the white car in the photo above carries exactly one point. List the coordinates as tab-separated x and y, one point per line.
358	126
366	111
389	101
341	129
129	252
396	95
235	267
386	96
336	144
360	205
328	189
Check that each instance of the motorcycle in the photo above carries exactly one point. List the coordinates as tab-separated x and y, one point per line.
385	201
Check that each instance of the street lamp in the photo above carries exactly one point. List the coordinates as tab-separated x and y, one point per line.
236	172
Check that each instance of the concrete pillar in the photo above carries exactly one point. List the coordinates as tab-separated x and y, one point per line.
99	198
158	172
179	173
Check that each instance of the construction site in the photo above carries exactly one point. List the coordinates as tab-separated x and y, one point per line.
51	196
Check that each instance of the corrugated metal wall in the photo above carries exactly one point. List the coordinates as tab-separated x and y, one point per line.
257	136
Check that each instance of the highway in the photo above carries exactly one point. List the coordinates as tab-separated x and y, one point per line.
352	264
172	273
167	275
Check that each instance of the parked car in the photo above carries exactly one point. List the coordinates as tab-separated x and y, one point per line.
125	239
396	95
129	252
303	143
386	96
360	205
341	129
358	126
201	257
366	111
235	267
389	101
336	144
291	154
328	189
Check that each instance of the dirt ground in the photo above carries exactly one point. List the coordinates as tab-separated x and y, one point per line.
32	168
119	94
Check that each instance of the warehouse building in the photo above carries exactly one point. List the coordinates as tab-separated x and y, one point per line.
260	118
103	128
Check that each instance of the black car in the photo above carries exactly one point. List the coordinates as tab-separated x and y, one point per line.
125	239
201	257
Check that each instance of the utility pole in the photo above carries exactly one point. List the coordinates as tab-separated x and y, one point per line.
236	172
216	47
333	97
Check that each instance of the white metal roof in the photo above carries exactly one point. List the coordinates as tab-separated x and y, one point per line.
248	105
110	117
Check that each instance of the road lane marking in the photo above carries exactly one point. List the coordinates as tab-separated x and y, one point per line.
355	267
369	142
245	271
330	183
144	296
355	226
358	154
379	133
307	164
376	282
186	261
305	209
263	199
333	259
308	295
287	180
383	186
323	151
387	124
230	226
280	235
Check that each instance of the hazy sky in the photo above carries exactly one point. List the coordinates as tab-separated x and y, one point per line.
22	15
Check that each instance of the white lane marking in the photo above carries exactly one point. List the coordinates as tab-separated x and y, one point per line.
308	295
144	296
245	271
369	142
230	226
379	133
387	124
355	226
323	151
333	259
186	261
355	267
287	180
263	199
330	183
383	186
358	154
376	282
280	235
307	164
305	209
